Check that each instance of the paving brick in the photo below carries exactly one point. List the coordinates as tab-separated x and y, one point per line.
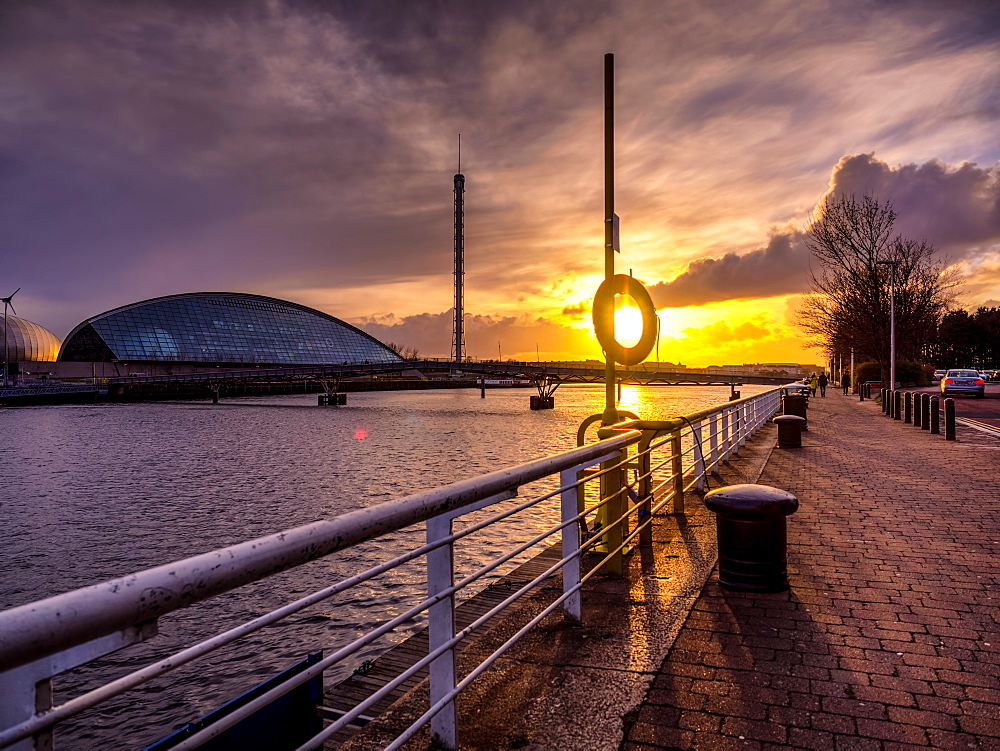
892	731
761	731
810	739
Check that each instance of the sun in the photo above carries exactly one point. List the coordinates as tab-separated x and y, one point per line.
628	324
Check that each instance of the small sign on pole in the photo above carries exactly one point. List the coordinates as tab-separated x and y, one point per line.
615	240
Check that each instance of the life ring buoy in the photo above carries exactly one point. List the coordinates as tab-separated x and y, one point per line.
604	319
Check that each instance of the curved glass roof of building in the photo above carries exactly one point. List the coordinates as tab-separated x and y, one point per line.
222	327
27	341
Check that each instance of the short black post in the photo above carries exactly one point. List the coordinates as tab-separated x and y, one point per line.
898	405
949	419
908	407
789	431
795	404
885	400
925	411
750	521
861	391
935	415
917	411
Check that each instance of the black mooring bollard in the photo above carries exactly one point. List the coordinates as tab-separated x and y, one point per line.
796	404
751	527
884	396
935	416
897	405
949	419
908	407
916	410
925	411
790	431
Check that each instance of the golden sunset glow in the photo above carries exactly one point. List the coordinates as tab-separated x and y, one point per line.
628	325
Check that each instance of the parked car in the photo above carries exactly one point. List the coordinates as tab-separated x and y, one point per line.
963	382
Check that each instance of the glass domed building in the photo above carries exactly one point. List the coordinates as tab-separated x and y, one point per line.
221	328
27	341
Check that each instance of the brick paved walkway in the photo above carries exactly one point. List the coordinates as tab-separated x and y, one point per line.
890	636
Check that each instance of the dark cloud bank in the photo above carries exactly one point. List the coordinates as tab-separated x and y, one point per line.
956	209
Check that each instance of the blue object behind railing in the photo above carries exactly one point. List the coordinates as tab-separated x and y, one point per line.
283	724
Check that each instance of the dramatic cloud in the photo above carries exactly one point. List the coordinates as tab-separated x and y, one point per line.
780	268
487	337
955	208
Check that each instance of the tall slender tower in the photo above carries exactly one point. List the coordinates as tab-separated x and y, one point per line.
458	342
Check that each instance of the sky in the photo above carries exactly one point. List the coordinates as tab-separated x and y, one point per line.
306	151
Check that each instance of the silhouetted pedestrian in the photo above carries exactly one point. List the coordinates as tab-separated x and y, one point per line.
813	384
822	381
845	381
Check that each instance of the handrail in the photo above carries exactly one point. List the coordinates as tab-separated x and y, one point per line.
70	627
41	628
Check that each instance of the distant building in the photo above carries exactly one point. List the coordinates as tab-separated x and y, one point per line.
27	342
219	329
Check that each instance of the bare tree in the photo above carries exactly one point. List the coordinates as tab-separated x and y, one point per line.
848	306
407	353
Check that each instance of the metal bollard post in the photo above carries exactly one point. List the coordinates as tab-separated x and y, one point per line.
917	412
908	407
935	415
789	431
898	405
751	527
861	392
925	411
949	419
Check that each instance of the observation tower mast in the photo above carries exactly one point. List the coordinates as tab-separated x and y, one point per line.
458	339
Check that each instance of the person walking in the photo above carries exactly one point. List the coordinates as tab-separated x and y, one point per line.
845	381
822	381
813	384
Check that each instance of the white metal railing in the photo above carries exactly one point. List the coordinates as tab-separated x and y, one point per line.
667	458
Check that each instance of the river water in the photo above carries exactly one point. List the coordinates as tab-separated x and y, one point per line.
93	492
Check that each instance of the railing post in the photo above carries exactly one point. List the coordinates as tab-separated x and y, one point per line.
724	419
645	488
935	416
744	423
613	488
677	470
441	629
699	458
572	608
713	443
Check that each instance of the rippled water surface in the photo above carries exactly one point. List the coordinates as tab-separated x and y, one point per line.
94	492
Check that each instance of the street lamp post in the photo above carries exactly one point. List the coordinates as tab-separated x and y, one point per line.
892	319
